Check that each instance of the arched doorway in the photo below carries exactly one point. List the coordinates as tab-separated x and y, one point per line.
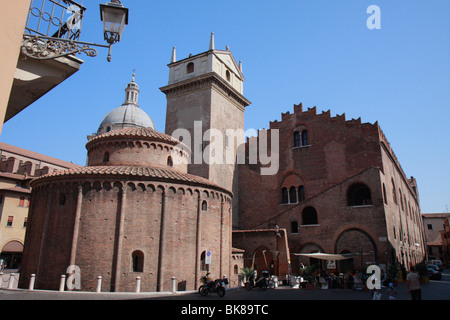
310	248
12	254
262	260
360	244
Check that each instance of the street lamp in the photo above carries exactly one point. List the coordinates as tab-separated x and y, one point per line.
114	16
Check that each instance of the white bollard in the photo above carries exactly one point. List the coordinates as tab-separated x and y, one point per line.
32	279
99	284
62	283
11	280
174	285
138	284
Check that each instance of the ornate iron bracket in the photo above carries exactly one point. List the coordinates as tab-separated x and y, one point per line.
44	48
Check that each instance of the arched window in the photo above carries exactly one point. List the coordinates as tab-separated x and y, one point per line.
309	216
384	195
204	205
358	195
292	195
170	161
401	199
203	265
138	261
305	139
297	139
394	193
228	75
284	195
301	193
190	67
106	157
236	269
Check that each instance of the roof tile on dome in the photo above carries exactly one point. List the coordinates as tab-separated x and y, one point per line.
159	173
137	132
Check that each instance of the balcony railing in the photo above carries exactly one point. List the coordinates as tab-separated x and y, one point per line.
53	29
55	18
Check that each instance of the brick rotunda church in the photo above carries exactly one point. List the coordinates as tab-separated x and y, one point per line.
132	211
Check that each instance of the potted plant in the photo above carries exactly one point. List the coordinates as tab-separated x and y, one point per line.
246	273
308	276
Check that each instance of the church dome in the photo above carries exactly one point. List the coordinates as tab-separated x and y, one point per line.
128	115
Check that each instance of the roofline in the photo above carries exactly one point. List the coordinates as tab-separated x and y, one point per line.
35	155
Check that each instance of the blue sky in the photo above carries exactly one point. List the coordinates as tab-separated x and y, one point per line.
319	52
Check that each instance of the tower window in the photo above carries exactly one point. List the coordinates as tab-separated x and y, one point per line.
204	206
170	161
190	67
106	157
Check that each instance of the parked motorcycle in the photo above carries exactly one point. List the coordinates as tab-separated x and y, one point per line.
212	286
261	283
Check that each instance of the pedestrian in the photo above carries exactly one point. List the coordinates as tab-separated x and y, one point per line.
391	291
377	295
413	284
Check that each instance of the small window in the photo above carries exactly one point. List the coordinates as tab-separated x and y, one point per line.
138	261
9	223
236	269
190	67
384	195
22	202
25	222
294	227
228	75
62	199
170	161
204	206
430	226
106	157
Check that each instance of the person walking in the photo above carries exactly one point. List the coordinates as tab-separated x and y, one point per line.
413	284
391	291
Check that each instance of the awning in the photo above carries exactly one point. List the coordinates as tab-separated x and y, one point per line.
326	256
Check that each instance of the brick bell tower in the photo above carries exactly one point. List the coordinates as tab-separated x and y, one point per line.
205	97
